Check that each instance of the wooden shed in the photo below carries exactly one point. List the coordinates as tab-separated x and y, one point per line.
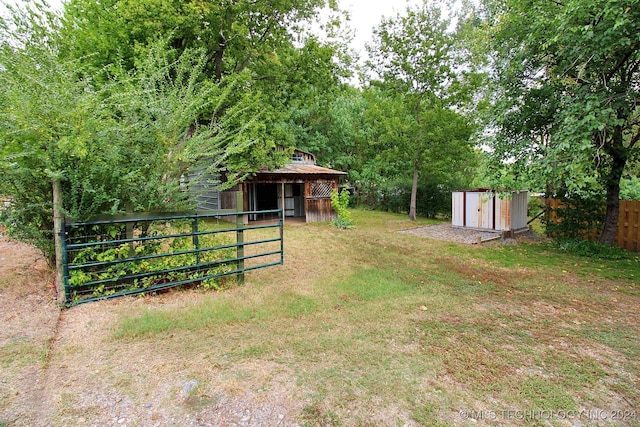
489	210
301	186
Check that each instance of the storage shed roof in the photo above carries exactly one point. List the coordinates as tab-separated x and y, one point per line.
301	169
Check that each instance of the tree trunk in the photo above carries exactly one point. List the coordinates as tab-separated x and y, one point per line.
414	193
618	161
611	219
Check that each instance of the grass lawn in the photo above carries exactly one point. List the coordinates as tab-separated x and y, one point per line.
376	327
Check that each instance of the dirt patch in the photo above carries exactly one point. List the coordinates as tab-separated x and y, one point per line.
97	380
29	317
65	368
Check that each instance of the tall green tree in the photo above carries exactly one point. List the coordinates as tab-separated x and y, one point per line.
111	145
416	60
235	34
284	67
568	109
433	146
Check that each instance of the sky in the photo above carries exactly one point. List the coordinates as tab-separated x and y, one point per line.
367	14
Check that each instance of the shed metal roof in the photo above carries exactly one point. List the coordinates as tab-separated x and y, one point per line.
301	169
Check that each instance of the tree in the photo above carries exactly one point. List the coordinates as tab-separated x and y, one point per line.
235	34
426	141
110	144
417	63
283	66
568	73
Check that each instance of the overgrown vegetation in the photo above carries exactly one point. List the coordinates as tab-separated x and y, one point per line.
106	268
127	257
116	146
593	249
576	217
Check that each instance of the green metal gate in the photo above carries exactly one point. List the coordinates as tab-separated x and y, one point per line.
148	253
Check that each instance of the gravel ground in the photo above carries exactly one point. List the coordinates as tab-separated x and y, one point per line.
453	234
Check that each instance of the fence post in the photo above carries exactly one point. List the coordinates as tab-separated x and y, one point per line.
281	220
240	237
195	238
129	229
58	236
65	263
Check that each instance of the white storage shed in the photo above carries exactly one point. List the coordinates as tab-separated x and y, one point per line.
489	210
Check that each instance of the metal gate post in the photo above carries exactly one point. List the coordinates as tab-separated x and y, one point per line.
281	215
240	237
195	238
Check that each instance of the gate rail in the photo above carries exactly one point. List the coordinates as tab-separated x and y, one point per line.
130	255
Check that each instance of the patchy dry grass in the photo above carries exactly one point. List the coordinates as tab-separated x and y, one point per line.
383	328
366	327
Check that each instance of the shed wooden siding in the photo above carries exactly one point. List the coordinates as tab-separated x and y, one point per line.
487	210
317	205
319	210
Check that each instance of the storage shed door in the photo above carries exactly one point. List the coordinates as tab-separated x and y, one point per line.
480	210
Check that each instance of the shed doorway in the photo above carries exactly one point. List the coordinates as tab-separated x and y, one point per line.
262	197
293	199
270	196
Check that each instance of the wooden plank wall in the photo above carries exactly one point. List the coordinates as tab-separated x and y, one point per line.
628	235
319	210
228	199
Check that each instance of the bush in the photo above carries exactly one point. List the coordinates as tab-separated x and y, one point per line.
340	203
590	249
630	188
577	217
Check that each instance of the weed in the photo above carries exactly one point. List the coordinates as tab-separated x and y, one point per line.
593	249
340	203
544	394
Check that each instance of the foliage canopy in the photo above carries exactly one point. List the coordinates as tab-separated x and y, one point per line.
568	110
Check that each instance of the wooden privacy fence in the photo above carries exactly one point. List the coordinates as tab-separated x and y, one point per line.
628	234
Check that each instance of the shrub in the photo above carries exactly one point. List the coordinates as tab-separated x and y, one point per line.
340	203
630	188
590	249
577	217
